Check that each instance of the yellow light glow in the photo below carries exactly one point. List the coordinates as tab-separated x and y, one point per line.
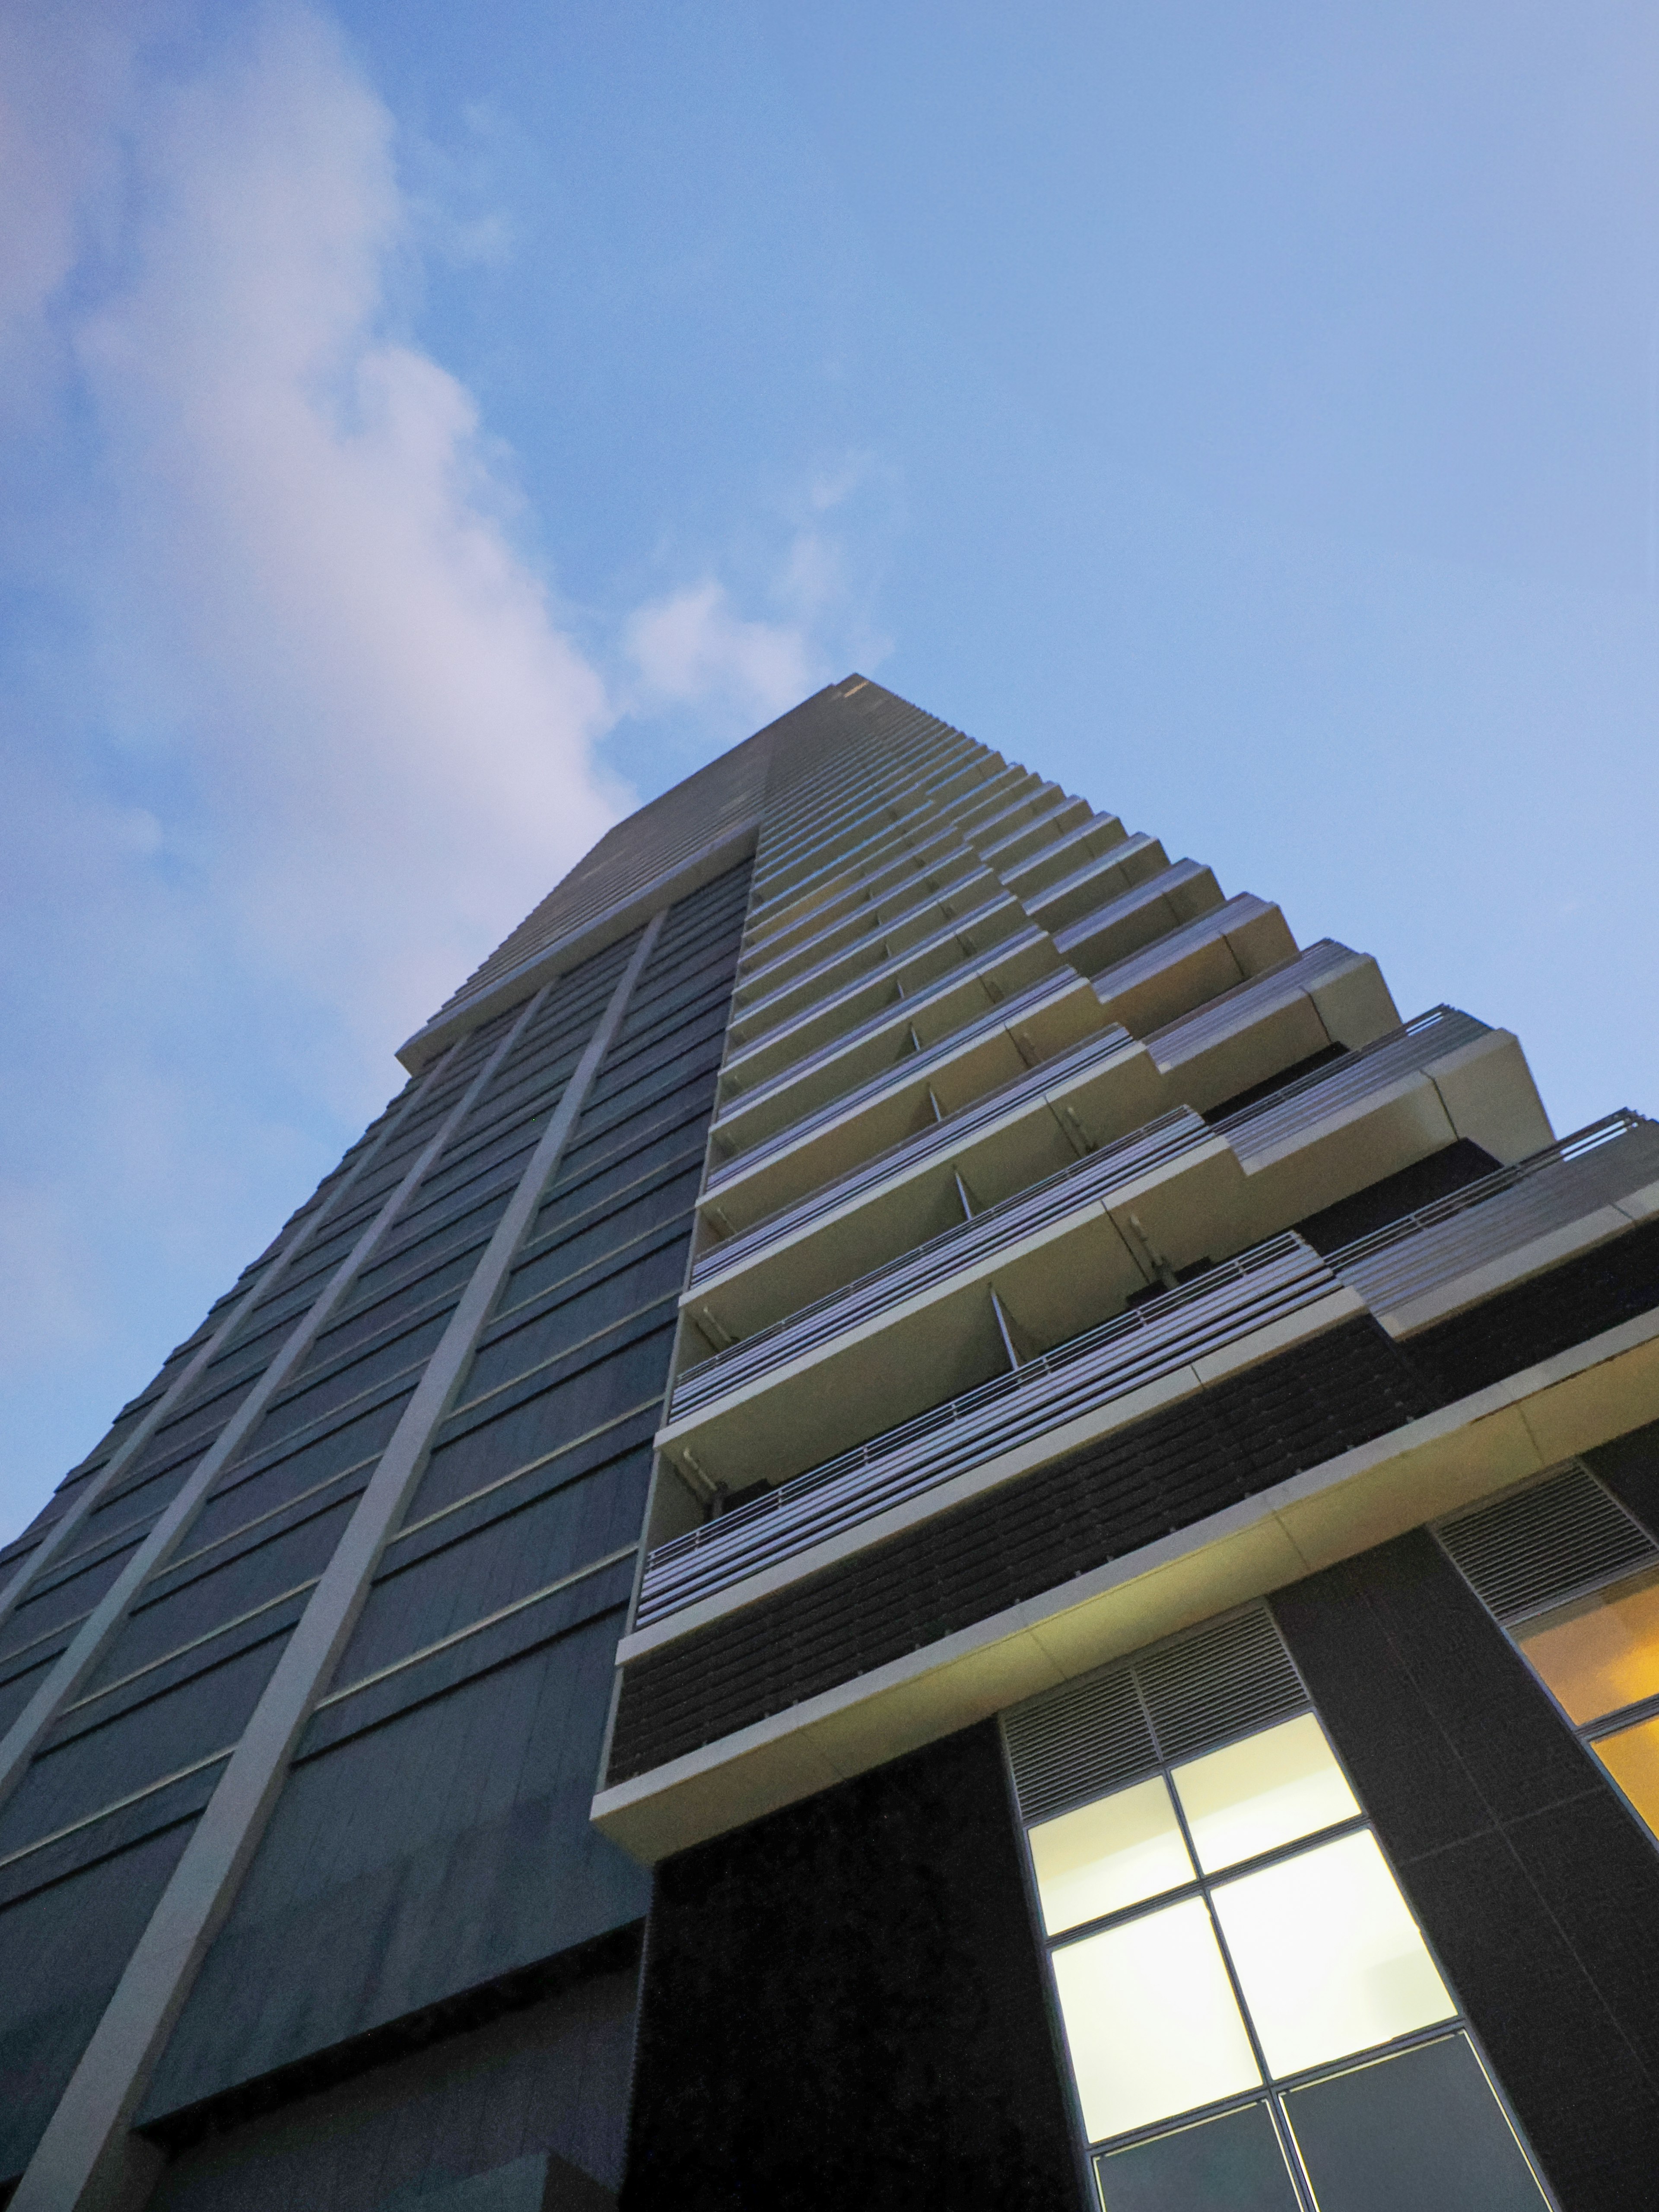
1631	1758
1600	1652
1107	1855
1329	1958
1151	2020
1268	1790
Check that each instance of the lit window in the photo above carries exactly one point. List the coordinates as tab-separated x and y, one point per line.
1571	1575
1112	1853
1601	1653
1329	1959
1254	2020
1250	1797
1151	2019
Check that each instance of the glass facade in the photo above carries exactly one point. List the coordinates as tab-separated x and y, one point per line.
1587	1625
1246	2002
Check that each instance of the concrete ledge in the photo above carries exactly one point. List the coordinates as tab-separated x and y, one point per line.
1038	1451
1449	1459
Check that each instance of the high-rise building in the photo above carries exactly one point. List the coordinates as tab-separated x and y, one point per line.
931	1522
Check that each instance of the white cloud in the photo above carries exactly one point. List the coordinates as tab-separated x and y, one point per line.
293	731
690	647
388	729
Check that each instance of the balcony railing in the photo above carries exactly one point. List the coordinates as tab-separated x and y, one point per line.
904	1069
946	1137
1500	1214
1261	1128
1502	1211
1278	1278
955	1251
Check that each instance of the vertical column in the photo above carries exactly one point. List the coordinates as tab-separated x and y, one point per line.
90	1641
323	1206
86	2158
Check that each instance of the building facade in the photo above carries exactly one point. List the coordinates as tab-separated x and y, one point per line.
932	1520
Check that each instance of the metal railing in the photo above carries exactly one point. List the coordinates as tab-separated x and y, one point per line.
905	1069
1502	1211
966	1243
1434	1244
945	1137
1278	1278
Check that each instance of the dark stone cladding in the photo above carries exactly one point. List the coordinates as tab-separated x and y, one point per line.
842	2006
1230	1442
1538	1890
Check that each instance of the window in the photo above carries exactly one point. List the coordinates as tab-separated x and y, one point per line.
1254	2020
1554	1561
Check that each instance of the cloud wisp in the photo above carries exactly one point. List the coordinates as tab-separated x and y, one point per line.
295	726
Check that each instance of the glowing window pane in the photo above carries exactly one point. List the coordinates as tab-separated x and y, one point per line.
1151	2020
1328	1957
1264	1791
1631	1758
1600	1652
1108	1854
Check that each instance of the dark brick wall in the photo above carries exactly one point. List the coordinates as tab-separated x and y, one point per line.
844	2008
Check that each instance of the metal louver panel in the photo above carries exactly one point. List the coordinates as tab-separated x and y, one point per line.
1077	1743
1543	1544
1223	1682
1092	1735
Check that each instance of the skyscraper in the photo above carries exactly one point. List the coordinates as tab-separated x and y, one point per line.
931	1522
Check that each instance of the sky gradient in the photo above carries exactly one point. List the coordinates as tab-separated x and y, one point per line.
426	432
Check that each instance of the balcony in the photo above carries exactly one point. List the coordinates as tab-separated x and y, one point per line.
1070	893
796	1153
1138	917
863	1053
1066	1255
1040	1401
1194	964
1524	1218
816	1010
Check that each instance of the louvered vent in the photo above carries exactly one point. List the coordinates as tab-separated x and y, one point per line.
1078	1741
1543	1544
1092	1735
1222	1683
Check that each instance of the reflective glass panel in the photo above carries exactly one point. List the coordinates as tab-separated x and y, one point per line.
1631	1758
1150	2021
1233	2164
1107	1855
1268	1790
1421	2130
1328	1957
1599	1652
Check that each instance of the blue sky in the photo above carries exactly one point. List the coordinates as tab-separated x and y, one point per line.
426	430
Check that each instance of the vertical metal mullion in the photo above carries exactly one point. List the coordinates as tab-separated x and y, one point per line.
13	1592
92	1638
86	2160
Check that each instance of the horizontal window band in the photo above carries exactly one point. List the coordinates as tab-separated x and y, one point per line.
536	1381
606	1265
1201	1886
323	1425
159	1591
315	1489
681	1163
36	1654
647	1406
110	1545
565	1352
116	1805
477	1627
195	1643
